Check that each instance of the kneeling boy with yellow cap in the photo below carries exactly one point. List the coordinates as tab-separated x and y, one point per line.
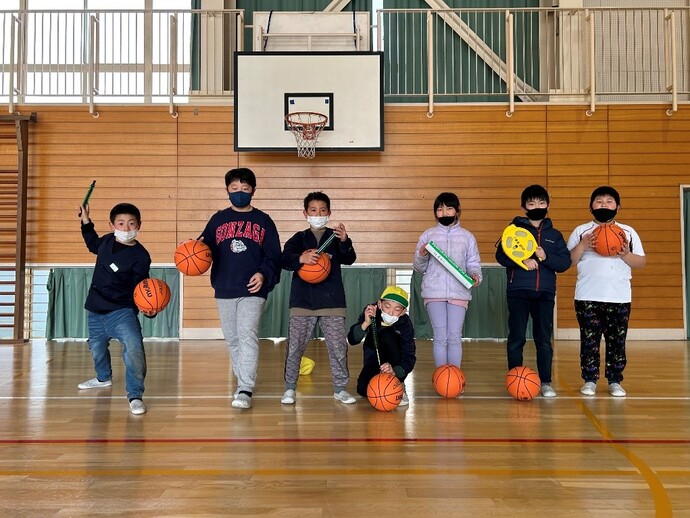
395	353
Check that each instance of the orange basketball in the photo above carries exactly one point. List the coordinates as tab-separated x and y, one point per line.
522	383
449	381
193	257
610	239
385	392
151	295
317	272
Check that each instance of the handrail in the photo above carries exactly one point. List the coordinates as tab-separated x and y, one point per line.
593	56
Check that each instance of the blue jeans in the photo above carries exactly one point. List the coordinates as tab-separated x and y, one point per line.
122	325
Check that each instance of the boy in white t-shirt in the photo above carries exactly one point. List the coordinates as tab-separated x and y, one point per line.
603	293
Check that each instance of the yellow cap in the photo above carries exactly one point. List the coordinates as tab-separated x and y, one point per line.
396	294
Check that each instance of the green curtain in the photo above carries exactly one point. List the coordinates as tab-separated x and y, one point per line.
67	318
362	286
686	241
487	315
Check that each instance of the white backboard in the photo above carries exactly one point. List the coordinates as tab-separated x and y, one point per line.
311	31
344	86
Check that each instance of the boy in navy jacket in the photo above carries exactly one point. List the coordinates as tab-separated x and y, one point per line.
323	302
121	263
531	291
245	246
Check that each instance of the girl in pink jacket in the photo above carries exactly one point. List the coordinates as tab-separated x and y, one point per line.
445	298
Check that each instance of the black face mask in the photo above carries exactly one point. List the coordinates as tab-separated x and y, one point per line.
536	214
604	215
446	220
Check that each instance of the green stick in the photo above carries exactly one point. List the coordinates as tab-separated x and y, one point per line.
88	193
326	243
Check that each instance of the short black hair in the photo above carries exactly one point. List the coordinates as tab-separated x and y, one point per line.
125	208
317	196
447	199
605	190
534	192
243	174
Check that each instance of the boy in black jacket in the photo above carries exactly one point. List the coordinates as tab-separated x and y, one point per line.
394	349
323	302
121	263
531	290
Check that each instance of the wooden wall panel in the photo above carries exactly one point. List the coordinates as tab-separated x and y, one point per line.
173	169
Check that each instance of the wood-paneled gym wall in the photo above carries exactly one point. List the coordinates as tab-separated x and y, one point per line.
173	170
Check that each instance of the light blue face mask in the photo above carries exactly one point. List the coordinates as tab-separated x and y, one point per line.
240	199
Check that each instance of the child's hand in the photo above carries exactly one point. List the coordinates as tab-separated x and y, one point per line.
84	213
369	313
255	283
309	257
151	313
387	368
340	232
477	280
531	264
423	251
541	255
625	249
588	241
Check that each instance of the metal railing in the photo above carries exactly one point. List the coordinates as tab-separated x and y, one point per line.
585	56
117	56
536	55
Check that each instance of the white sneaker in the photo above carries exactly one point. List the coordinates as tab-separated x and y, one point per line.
589	389
616	390
344	397
405	401
94	383
242	401
288	397
547	390
137	407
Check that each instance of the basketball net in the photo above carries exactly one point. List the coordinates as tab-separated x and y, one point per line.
306	127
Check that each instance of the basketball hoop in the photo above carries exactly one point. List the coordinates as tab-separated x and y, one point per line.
306	127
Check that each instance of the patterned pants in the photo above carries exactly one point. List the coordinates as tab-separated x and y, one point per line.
609	319
300	331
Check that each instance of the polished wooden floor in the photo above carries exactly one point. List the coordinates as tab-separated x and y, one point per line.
65	452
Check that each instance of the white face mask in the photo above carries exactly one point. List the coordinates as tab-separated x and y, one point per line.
126	237
317	222
388	320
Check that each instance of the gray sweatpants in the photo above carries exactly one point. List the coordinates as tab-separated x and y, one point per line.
299	332
239	320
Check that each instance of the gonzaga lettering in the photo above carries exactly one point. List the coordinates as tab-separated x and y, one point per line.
245	229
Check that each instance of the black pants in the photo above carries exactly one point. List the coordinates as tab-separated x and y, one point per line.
389	354
523	304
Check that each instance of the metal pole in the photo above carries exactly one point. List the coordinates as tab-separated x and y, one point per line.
430	60
591	65
510	64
